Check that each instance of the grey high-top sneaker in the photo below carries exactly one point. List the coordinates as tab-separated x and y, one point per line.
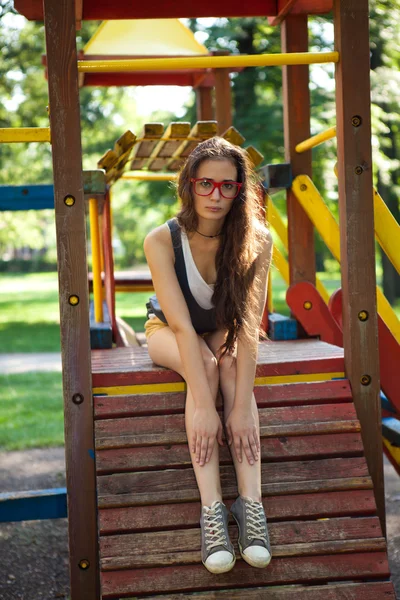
217	552
253	538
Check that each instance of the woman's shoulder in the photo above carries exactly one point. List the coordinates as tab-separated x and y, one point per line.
263	234
159	236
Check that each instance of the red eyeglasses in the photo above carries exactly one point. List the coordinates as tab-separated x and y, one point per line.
227	189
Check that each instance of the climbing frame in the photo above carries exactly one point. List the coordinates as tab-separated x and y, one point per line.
164	149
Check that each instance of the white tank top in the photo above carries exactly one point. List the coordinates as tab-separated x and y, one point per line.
201	290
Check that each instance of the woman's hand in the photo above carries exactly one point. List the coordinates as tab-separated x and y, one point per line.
242	432
207	427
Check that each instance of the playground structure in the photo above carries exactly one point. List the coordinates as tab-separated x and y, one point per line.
132	521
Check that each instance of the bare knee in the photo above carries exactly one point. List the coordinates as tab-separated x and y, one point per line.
227	366
211	367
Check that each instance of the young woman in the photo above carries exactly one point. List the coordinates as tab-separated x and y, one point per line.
209	266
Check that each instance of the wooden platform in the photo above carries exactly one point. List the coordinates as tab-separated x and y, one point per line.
326	538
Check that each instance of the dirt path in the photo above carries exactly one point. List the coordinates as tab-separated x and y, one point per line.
34	554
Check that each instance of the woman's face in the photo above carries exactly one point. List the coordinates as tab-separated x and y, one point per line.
214	206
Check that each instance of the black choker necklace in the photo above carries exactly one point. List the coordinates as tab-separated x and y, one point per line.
209	236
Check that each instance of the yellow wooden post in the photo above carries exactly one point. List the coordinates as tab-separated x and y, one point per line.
11	135
96	260
270	302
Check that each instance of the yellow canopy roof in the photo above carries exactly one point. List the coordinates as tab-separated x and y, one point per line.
141	37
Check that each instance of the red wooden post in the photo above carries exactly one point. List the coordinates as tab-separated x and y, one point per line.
74	301
204	105
296	107
357	247
223	95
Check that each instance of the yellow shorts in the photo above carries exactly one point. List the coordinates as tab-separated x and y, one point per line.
154	324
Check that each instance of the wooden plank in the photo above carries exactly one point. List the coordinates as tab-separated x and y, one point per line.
233	136
297	538
254	155
142	150
127	489
296	110
334	567
284	9
127	366
356	212
166	148
181	516
282	448
350	591
202	130
59	20
106	407
170	429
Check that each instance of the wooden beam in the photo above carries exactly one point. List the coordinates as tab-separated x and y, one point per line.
356	211
223	100
283	12
59	20
204	104
296	110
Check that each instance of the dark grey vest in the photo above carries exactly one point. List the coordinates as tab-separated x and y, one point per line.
203	320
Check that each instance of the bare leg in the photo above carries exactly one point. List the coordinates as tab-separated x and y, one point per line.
248	476
163	350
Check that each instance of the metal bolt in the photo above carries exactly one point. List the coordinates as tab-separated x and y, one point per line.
84	564
365	379
69	200
73	300
77	398
363	315
307	305
303	187
356	121
358	170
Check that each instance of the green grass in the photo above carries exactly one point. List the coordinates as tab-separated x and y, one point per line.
32	413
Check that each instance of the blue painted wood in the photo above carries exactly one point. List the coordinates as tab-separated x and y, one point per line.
26	197
33	505
281	328
100	333
39	197
391	430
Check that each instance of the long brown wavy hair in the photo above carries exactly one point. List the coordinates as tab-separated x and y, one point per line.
243	234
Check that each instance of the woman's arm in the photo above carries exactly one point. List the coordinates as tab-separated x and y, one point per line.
160	258
241	425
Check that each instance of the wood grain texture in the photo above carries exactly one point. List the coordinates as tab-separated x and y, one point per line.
74	320
281	571
204	104
290	507
357	245
109	282
348	591
223	100
129	366
296	112
295	538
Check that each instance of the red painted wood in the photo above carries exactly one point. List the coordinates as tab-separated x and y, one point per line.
94	10
317	320
285	507
181	78
266	396
389	354
294	538
349	591
130	366
119	460
109	265
280	571
335	307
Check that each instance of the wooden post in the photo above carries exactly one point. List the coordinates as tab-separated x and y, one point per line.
223	100
296	111
204	105
357	246
59	20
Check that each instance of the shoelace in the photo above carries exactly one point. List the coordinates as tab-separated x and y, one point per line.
255	521
214	528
